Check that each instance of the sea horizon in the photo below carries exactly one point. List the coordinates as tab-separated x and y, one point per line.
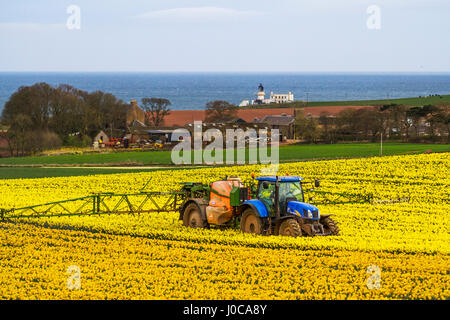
189	90
239	72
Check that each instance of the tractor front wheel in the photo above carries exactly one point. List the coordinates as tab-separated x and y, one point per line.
192	217
251	223
330	227
290	228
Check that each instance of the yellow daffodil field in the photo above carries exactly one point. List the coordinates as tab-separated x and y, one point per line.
384	250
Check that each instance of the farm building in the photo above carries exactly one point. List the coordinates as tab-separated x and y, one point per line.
135	113
101	137
180	118
284	123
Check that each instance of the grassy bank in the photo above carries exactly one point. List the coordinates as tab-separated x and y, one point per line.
42	172
443	99
287	153
436	100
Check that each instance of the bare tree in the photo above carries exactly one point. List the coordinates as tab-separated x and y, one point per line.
327	122
220	111
307	128
64	110
33	101
156	109
17	134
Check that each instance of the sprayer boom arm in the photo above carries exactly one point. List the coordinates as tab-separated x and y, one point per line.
100	204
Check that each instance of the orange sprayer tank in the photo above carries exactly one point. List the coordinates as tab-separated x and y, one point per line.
219	210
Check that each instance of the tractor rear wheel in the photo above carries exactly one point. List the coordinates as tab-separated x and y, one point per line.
290	228
330	227
251	223
192	217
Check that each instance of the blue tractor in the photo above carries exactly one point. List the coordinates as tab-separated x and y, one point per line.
274	206
279	208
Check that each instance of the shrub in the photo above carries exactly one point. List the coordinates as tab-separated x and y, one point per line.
37	141
77	141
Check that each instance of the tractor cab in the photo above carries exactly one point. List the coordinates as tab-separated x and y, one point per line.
280	209
284	196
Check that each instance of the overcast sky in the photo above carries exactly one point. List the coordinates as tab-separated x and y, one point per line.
228	35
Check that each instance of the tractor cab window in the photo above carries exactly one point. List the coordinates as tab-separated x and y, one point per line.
292	191
266	193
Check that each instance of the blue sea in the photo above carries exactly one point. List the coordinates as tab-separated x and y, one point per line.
194	90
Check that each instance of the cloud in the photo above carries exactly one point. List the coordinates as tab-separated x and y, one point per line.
202	13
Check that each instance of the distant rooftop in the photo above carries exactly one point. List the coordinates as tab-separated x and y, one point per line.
278	120
184	117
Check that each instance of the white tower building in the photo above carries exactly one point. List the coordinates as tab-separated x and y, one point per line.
261	95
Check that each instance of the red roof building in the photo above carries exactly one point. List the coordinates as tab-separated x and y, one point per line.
180	118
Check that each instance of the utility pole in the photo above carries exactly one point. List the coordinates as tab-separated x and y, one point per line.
295	119
381	145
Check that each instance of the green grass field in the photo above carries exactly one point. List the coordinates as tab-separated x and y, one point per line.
443	99
287	153
40	172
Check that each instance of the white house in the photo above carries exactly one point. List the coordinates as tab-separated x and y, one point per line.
244	103
278	98
281	97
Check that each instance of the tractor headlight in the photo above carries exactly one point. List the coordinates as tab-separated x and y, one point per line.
310	215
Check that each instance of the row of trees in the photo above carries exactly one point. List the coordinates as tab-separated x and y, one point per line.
42	116
396	122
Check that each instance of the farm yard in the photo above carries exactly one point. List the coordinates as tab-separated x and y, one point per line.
153	256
